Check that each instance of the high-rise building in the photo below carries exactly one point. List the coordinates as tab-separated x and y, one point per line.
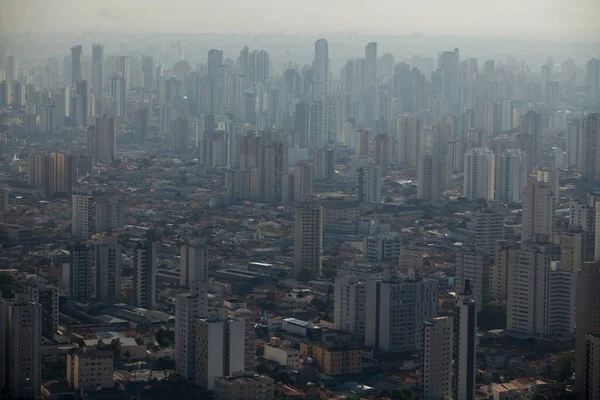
215	60
432	175
592	366
219	349
39	171
148	71
101	140
465	346
591	143
349	306
409	140
382	152
98	70
511	175
107	264
308	238
367	184
575	147
370	79
321	63
588	323
80	273
83	90
302	124
317	136
397	310
537	219
82	214
12	68
193	265
593	80
325	164
20	342
63	173
506	255
473	266
531	124
180	135
109	214
166	117
76	64
189	308
47	297
448	64
489	228
118	92
436	358
273	167
479	174
4	199
362	142
122	67
144	274
303	181
540	293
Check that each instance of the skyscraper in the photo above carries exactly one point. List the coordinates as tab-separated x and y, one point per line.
308	239
12	68
432	175
47	297
538	212
180	135
118	92
325	164
80	273
144	274
371	65
409	140
436	358
575	147
448	63
511	175
122	64
465	346
189	308
489	228
83	90
303	181
215	60
82	214
98	70
109	214
591	143
593	80
531	124
63	173
396	312
107	264
101	140
367	184
219	349
76	64
479	174
349	306
321	63
20	342
193	265
148	71
472	266
588	323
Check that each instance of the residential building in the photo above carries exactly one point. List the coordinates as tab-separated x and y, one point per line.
349	312
436	358
244	387
47	297
82	214
90	369
308	238
538	211
334	359
144	274
193	265
283	355
397	310
473	266
80	273
189	308
107	267
479	174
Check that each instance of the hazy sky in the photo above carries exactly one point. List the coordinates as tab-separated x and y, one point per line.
531	19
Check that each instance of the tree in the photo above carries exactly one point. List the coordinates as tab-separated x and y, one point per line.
165	343
163	334
127	355
164	363
492	316
402	393
305	276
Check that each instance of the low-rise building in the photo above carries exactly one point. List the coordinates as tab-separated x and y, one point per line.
90	369
283	355
244	387
334	359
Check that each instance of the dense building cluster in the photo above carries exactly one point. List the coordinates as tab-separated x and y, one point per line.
200	223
